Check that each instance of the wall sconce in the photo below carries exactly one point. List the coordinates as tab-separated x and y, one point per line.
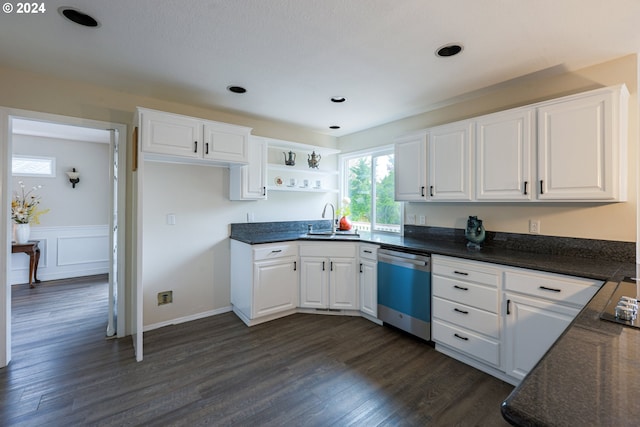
74	177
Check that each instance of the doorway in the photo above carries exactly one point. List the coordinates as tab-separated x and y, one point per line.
112	137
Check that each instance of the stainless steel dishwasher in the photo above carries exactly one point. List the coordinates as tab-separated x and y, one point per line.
404	291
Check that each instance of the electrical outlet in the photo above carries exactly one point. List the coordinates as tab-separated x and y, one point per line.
171	219
410	219
422	220
165	297
534	226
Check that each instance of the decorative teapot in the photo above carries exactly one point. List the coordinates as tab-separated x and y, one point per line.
291	161
314	160
474	232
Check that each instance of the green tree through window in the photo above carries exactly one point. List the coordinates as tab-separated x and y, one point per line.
370	187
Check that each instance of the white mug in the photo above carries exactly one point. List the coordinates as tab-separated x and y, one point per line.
318	184
292	182
305	183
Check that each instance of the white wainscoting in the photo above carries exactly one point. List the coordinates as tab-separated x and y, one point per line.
65	252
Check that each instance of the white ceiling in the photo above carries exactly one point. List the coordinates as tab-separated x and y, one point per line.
293	55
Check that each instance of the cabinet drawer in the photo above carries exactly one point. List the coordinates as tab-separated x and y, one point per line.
275	250
463	340
466	293
369	252
468	317
466	270
341	250
567	289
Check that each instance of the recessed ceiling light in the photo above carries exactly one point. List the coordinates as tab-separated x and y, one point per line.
334	127
74	15
236	89
449	50
338	99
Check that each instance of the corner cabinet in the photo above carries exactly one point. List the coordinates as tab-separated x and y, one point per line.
173	137
568	149
328	276
582	147
264	281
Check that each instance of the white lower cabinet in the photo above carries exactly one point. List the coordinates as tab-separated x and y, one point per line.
465	307
369	280
264	280
501	319
538	308
532	326
328	276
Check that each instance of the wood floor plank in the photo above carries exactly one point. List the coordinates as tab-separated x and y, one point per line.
302	370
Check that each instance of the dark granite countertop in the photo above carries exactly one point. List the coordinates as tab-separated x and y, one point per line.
601	269
591	375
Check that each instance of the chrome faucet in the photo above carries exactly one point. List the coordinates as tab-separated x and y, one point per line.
333	216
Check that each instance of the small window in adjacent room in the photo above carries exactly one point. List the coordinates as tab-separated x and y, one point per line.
33	166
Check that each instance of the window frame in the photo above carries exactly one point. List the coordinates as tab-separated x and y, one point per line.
344	179
52	162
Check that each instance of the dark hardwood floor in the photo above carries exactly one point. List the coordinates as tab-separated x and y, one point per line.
311	370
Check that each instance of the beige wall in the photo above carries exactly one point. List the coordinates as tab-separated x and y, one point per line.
616	221
192	257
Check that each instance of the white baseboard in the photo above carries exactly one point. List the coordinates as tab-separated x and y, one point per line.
186	318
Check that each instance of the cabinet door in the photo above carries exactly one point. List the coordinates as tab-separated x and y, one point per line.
532	326
249	182
314	288
575	149
275	287
175	135
410	157
343	290
503	156
226	143
450	161
369	287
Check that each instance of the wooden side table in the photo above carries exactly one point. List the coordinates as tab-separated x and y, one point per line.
30	248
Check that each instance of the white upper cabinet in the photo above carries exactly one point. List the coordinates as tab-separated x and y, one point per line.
504	155
580	142
411	168
450	161
582	146
175	137
170	134
225	142
249	182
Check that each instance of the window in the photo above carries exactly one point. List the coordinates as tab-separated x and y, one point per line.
368	181
33	166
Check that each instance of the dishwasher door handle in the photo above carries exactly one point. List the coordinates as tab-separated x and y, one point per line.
402	261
